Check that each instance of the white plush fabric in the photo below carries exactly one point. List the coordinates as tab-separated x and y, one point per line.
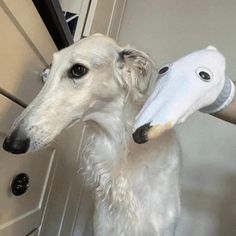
181	90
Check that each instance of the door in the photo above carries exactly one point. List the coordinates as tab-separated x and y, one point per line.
25	50
24	180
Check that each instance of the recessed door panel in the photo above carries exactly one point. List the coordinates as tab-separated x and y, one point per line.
20	214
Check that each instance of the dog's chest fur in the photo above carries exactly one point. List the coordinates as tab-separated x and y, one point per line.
131	182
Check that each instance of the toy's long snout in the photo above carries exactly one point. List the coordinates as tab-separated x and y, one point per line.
155	116
147	132
162	111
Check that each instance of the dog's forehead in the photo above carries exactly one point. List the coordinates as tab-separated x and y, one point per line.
94	48
100	46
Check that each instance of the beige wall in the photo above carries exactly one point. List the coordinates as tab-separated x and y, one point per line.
167	30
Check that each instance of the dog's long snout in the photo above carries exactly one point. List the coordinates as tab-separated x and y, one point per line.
17	142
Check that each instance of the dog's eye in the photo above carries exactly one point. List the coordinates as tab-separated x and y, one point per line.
204	74
77	71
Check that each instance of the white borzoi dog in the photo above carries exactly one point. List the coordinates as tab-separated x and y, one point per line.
136	186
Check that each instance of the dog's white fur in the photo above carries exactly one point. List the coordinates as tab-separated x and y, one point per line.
136	186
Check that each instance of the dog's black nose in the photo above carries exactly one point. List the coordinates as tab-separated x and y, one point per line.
17	142
140	134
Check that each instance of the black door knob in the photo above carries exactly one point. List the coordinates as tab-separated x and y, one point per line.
20	184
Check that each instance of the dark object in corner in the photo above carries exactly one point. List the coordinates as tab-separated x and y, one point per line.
52	16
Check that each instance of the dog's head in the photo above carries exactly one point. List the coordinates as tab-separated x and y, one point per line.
83	78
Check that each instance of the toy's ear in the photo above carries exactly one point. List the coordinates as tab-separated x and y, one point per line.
136	72
210	47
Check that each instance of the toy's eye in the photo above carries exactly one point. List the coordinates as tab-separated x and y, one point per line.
77	71
204	74
163	70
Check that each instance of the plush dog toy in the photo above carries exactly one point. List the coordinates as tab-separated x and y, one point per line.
194	82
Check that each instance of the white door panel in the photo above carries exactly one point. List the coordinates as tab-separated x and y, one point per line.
8	113
22	64
22	214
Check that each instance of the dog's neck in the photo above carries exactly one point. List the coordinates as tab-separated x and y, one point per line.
106	150
110	129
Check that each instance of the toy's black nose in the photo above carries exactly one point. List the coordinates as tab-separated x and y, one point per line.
140	134
17	142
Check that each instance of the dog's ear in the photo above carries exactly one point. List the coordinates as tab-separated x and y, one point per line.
136	72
